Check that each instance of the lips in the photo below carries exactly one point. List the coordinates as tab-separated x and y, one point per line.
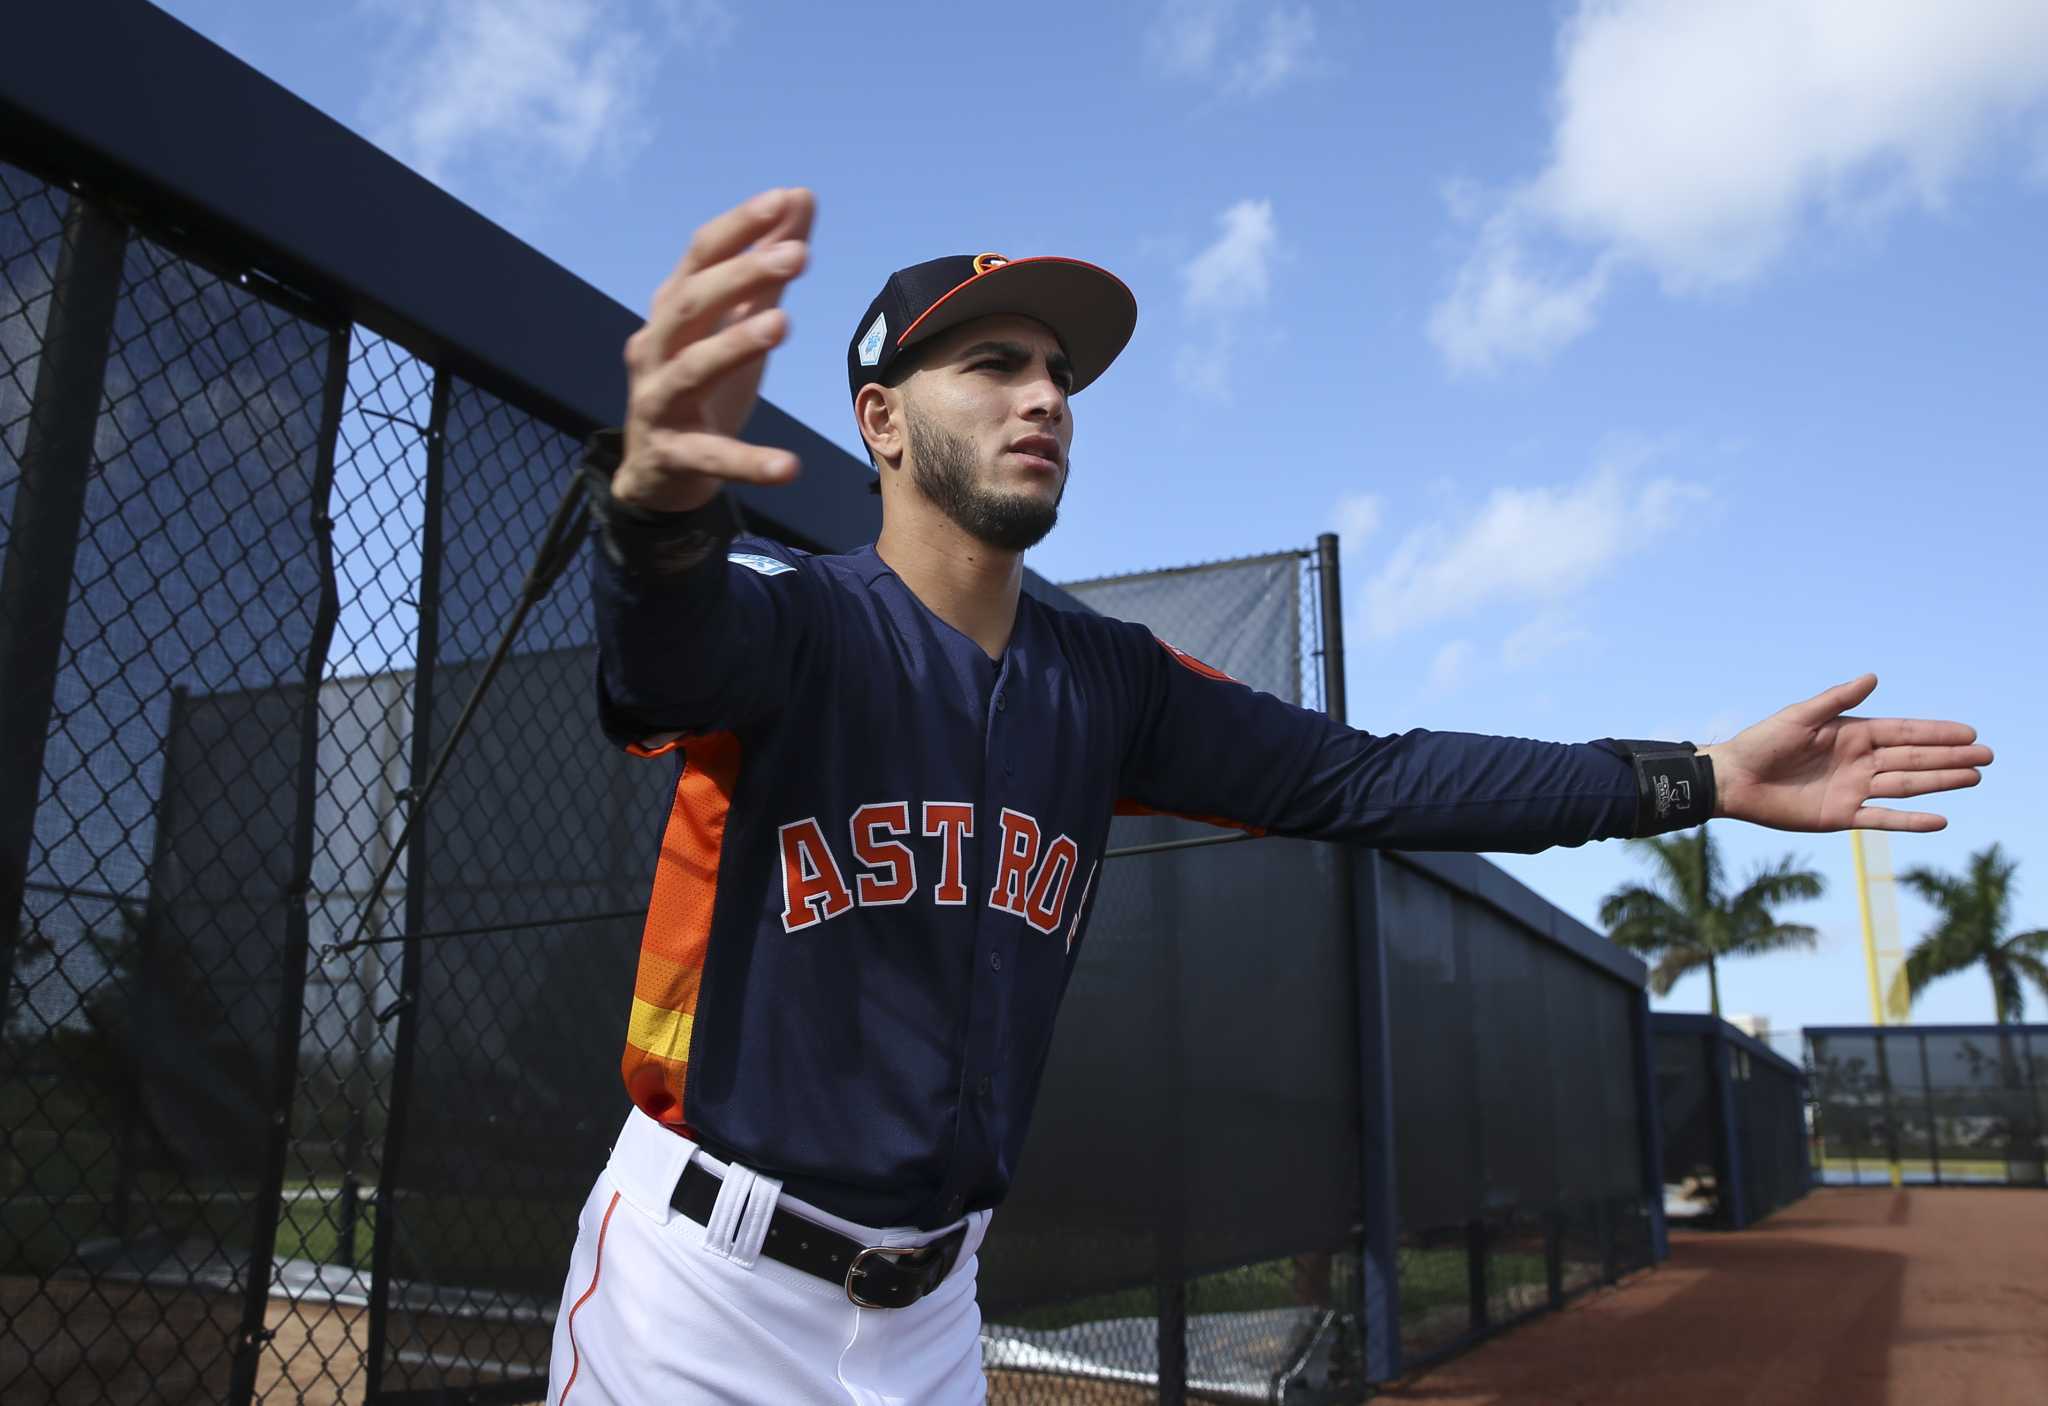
1039	446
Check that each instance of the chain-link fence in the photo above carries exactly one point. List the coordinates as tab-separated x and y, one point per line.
1937	1105
1732	1116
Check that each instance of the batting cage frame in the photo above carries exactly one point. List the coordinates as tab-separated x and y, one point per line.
1732	1122
321	894
1929	1105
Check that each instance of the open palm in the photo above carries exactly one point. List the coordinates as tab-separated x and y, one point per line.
1814	766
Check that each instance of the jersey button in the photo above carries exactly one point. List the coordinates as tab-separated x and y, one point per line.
985	1087
1000	704
995	961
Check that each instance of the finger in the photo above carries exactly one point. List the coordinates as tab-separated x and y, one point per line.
723	236
1893	785
689	309
795	228
702	362
1832	702
1928	758
1900	732
720	456
1878	818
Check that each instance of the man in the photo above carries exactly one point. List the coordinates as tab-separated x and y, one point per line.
897	785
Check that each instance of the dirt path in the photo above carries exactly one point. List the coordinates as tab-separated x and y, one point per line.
1851	1296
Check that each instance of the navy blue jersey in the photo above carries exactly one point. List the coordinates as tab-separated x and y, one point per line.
877	868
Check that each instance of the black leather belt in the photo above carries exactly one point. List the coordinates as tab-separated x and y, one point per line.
874	1276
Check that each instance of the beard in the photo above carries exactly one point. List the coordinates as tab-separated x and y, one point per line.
943	468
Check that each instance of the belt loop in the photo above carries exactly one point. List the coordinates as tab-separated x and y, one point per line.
752	1231
721	1227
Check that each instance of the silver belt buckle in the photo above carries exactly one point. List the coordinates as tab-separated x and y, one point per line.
855	1271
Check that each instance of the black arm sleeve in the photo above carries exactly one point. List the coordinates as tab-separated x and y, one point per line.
689	639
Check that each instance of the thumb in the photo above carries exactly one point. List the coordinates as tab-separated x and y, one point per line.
1831	703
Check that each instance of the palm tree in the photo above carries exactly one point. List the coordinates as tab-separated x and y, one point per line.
1686	919
1973	910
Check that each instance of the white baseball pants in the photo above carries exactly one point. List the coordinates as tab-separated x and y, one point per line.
660	1309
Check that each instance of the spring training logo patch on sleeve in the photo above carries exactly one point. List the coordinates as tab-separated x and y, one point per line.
767	566
871	340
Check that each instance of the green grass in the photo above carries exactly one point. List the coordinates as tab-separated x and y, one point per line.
1921	1166
310	1229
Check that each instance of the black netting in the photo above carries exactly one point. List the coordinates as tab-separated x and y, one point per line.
1243	617
1771	1122
1516	1114
1948	1104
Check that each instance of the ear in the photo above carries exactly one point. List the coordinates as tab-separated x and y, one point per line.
879	412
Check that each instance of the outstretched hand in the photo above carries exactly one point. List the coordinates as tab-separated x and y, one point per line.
1812	766
693	372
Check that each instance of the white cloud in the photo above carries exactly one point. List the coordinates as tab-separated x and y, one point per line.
1358	516
1285	43
1535	545
1229	278
516	82
1499	309
1235	273
1245	51
1185	35
1540	637
1698	141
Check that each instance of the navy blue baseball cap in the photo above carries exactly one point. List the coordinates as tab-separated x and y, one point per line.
1089	309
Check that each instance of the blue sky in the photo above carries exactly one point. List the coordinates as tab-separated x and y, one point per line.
1660	363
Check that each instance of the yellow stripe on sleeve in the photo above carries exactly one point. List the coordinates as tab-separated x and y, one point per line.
660	1032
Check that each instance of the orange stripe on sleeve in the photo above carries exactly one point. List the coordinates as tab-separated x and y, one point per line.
678	929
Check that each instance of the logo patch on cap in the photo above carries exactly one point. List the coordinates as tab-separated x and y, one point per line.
871	340
984	262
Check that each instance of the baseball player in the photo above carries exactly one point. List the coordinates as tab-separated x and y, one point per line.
895	779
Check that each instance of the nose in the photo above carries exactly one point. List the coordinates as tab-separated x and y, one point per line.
1044	401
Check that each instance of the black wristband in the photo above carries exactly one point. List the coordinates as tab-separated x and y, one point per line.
644	542
1674	785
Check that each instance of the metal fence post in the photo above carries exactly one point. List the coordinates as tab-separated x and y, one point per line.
1650	1119
1734	1203
1553	1257
1933	1121
42	544
1173	1342
384	1235
1379	1255
1380	1279
1475	1277
1891	1115
1331	607
291	999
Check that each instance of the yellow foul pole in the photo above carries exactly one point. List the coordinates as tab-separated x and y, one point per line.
1869	948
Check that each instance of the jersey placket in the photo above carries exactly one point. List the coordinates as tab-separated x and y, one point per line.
995	933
